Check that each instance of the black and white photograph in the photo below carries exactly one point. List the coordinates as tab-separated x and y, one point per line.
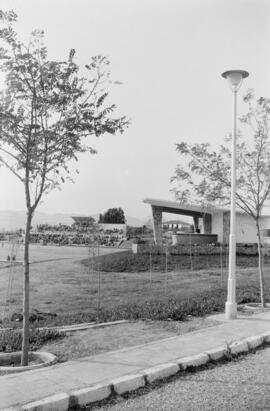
134	205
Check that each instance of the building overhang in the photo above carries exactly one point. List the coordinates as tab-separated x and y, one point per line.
175	207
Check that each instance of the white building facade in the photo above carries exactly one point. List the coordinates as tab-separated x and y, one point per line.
210	221
246	231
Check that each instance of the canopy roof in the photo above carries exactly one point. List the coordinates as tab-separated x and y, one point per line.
184	209
176	207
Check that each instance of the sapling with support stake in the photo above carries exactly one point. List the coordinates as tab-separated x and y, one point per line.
221	262
190	253
150	266
206	178
166	269
48	109
99	278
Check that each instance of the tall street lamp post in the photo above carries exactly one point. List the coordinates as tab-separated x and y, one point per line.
235	78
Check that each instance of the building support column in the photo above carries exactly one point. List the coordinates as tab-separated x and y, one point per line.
157	223
196	223
207	223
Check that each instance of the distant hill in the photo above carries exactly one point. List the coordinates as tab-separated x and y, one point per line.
13	220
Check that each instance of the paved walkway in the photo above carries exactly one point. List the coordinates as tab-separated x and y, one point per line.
22	388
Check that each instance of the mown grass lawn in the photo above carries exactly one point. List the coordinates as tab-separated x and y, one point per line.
75	292
98	340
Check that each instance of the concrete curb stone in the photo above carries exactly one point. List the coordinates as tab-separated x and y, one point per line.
86	326
58	402
46	358
217	353
161	371
131	382
128	383
238	347
193	361
254	342
266	337
89	395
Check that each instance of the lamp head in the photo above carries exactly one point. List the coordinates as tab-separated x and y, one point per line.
235	78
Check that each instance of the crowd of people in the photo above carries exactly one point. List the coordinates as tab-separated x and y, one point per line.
58	228
76	235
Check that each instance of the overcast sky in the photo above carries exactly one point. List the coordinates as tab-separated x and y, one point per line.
169	55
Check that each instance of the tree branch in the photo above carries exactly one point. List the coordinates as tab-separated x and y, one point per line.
11	169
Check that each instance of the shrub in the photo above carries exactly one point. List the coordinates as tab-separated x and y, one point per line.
128	262
178	309
173	309
251	294
11	340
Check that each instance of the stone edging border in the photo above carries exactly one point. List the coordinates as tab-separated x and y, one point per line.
78	326
132	382
46	358
86	326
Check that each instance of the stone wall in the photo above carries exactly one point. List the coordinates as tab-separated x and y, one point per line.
187	239
207	223
157	222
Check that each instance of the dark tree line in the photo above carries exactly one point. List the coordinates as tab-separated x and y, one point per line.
113	216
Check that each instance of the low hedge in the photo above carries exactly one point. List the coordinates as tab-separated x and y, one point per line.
128	262
199	249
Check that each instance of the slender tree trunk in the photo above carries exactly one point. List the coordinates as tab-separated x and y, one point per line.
260	265
26	303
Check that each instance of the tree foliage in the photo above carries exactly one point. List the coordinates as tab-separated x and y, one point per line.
206	176
47	111
113	216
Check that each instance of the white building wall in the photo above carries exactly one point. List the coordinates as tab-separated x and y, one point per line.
265	225
245	229
265	222
217	225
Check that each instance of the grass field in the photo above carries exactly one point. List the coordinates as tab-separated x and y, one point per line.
61	284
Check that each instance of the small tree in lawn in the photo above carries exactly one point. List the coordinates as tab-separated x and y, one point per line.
206	178
47	110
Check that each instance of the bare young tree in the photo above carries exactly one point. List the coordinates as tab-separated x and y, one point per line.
47	110
206	177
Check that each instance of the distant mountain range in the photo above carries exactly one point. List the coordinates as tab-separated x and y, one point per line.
13	220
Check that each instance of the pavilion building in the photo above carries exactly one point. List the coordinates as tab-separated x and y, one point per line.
211	224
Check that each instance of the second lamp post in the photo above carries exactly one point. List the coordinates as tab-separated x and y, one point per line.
235	78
